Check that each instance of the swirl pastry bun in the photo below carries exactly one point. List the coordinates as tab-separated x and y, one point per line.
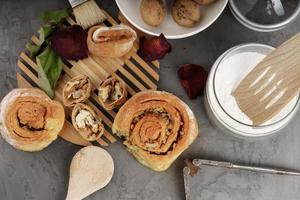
111	42
157	128
29	119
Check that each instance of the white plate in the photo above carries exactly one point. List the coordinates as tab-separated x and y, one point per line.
131	10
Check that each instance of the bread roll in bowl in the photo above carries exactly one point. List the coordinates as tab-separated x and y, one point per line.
153	12
186	12
204	2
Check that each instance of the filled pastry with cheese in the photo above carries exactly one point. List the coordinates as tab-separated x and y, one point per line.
112	93
29	119
112	42
77	90
86	122
157	127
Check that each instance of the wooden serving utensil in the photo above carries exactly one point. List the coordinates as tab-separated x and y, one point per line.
272	84
91	169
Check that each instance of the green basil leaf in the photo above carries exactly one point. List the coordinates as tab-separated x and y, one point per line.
54	16
33	49
44	83
50	67
45	31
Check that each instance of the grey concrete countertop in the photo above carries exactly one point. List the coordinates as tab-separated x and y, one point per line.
44	175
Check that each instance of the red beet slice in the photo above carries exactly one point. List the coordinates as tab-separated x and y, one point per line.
70	43
154	48
193	79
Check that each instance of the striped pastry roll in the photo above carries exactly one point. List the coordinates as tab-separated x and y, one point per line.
112	42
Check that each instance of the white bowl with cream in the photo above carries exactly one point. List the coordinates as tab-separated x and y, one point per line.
224	77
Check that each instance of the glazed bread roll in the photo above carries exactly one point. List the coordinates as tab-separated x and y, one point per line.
186	12
29	119
157	128
153	12
112	93
77	90
110	42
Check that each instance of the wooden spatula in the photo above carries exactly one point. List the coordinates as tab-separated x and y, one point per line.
91	169
272	84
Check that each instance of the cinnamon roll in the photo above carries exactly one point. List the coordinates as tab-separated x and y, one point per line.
112	93
77	90
157	127
86	122
29	119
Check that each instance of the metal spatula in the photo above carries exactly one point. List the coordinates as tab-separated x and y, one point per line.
272	84
191	169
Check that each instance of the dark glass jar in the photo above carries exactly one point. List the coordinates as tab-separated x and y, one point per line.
265	15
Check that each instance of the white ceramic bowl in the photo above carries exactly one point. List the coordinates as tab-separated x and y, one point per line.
131	10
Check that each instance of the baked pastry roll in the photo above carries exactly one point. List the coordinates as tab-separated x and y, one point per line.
157	128
77	90
86	122
112	93
112	42
29	119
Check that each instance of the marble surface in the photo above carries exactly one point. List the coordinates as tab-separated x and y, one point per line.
44	175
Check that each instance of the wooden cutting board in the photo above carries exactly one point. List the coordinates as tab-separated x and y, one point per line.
138	75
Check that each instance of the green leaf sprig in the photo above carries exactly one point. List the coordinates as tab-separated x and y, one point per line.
49	63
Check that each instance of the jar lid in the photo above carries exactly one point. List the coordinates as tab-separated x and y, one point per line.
265	15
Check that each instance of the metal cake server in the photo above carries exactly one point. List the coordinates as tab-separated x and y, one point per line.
192	168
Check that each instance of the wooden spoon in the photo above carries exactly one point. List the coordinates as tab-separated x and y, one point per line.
272	84
91	169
